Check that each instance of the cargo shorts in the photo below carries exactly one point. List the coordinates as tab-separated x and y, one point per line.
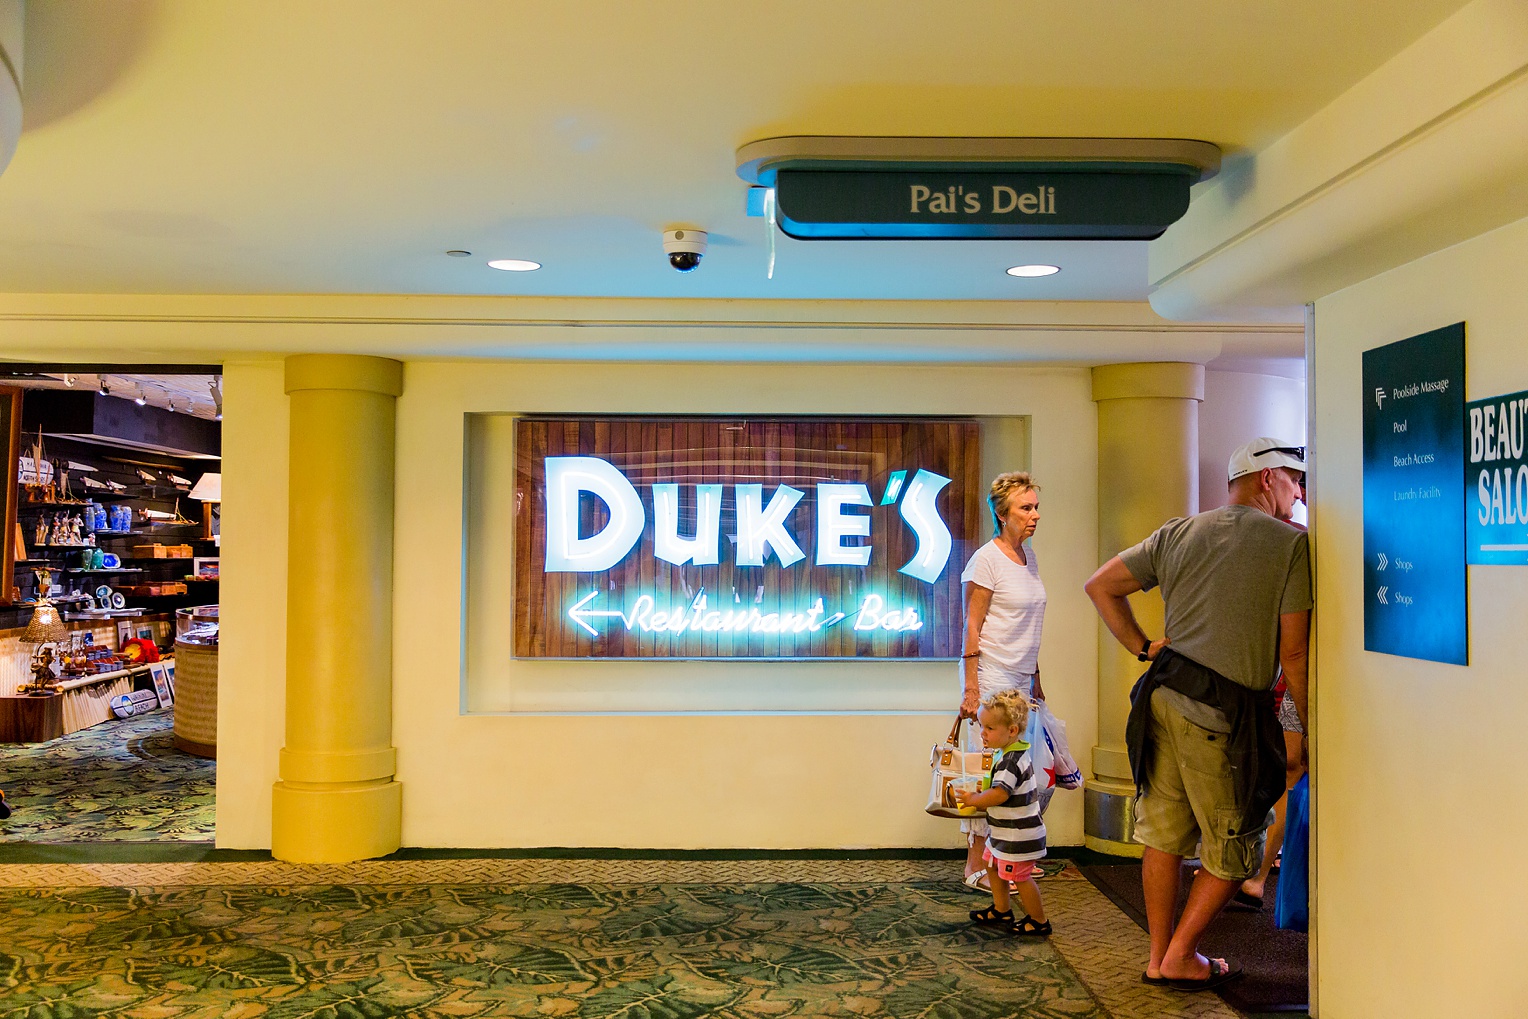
1190	798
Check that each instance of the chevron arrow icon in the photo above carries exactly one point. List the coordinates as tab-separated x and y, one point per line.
1383	562
1381	593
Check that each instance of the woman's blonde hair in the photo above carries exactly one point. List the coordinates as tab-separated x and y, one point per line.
1012	705
1004	486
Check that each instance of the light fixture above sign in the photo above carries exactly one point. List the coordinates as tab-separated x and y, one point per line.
841	188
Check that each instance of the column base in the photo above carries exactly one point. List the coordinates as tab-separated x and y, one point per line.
1133	850
324	823
1108	817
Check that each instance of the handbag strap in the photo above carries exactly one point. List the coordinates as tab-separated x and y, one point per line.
954	732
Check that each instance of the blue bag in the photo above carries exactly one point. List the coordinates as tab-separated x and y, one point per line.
1291	911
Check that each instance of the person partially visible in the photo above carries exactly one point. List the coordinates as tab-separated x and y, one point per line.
1016	832
1253	890
1203	737
1005	611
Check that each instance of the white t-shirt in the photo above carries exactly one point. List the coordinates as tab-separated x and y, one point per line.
1010	640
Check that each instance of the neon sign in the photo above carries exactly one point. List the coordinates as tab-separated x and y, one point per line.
699	617
761	527
769	538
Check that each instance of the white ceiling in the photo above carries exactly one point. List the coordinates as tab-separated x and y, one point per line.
283	146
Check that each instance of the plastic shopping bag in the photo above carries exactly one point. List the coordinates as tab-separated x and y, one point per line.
1040	757
1291	910
1067	774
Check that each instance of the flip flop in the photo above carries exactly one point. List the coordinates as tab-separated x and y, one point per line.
1221	972
1147	978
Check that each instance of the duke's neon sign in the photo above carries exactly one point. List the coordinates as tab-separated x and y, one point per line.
761	526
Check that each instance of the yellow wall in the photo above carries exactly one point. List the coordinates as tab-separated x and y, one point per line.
252	648
785	780
1422	813
522	770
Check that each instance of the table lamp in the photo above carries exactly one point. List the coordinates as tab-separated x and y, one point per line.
44	629
209	490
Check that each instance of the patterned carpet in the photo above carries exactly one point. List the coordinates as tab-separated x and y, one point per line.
655	951
120	781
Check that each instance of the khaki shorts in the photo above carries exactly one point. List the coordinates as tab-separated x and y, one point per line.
1190	799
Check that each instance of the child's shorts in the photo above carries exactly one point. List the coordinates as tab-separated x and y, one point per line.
1010	870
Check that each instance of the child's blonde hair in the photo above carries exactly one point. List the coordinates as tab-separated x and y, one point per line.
1012	705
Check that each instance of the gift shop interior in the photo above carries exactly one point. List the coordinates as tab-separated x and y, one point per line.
109	616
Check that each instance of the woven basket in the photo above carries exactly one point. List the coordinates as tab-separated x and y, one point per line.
196	699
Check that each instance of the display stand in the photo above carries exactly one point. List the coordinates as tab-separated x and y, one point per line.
31	718
73	705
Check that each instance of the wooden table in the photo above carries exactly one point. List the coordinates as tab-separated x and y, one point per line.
31	719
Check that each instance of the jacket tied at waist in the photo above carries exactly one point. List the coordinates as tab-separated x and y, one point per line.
1254	747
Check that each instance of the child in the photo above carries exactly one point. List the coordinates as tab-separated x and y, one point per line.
1012	802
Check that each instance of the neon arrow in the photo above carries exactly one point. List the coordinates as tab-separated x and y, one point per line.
1383	562
1381	595
578	616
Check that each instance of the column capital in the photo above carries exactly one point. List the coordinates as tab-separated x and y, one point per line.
1161	380
358	372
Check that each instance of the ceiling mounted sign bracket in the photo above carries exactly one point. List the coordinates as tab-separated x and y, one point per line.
847	188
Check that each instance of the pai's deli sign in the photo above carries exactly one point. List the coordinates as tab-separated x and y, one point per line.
710	538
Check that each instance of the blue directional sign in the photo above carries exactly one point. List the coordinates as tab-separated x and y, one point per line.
1496	483
1415	596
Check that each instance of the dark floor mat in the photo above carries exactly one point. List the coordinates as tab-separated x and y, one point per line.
1274	962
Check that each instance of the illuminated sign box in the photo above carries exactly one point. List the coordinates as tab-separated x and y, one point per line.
758	538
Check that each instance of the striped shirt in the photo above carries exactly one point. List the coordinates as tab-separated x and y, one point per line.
1016	831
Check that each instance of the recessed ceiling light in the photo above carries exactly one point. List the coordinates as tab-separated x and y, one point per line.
1030	271
458	253
514	265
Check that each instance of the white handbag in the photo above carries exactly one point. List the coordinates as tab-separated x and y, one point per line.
956	768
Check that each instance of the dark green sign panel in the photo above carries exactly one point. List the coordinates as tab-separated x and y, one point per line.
1415	593
1063	205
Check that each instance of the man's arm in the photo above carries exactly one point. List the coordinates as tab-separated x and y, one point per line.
1294	647
1110	589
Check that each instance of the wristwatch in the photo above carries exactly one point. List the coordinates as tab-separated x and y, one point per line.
1145	651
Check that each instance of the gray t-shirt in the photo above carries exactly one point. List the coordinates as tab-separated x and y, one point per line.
1226	577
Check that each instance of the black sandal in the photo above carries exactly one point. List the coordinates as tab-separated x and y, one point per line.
992	917
1031	927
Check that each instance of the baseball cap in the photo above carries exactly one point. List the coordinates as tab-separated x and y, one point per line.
1263	453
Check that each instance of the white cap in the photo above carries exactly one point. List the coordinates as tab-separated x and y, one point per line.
1260	454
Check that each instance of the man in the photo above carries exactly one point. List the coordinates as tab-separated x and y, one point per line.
1206	749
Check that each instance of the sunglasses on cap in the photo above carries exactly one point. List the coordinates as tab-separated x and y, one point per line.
1298	451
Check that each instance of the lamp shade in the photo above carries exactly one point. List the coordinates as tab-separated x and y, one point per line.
45	627
208	488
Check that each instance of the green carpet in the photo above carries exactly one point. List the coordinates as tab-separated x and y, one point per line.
120	781
634	952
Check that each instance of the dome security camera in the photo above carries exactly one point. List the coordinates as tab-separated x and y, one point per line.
684	248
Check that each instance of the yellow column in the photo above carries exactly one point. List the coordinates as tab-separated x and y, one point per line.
1148	472
337	800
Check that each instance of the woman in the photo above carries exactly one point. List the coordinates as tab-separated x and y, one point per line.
1005	608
